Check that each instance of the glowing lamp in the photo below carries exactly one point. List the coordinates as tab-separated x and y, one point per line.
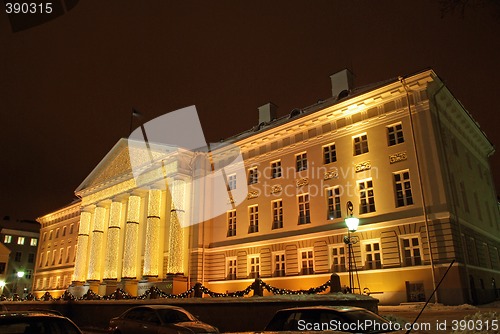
20	274
352	223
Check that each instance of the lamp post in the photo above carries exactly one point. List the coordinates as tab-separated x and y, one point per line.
352	225
19	274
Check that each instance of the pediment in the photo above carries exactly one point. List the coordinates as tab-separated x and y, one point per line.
117	164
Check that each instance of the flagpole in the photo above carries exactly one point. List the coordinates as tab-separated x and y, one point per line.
132	114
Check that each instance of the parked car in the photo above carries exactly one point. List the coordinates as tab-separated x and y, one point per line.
158	319
31	322
330	318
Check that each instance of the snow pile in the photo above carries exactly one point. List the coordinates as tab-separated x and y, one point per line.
480	322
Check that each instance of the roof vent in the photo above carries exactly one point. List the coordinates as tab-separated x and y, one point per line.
341	81
295	112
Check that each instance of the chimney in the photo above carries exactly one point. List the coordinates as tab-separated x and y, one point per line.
341	81
267	112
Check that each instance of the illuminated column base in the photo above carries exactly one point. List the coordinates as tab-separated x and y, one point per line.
79	274
152	243
112	258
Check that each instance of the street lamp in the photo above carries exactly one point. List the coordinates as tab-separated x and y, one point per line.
20	274
352	224
2	286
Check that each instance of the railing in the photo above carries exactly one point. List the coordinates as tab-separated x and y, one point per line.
196	291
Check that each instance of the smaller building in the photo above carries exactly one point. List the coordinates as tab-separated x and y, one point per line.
57	249
20	237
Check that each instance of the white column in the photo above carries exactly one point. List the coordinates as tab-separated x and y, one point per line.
112	258
96	244
152	244
79	274
130	250
176	233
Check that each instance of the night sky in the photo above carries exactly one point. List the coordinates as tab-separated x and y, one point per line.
67	87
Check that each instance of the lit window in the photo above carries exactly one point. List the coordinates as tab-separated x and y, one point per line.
231	223
366	196
306	259
7	239
253	176
333	202
231	268
277	207
20	240
279	264
33	242
253	266
231	181
360	144
276	169
329	154
304	213
337	258
301	161
253	218
403	189
395	134
372	254
411	251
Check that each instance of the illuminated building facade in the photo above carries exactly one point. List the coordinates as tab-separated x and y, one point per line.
404	151
20	237
56	250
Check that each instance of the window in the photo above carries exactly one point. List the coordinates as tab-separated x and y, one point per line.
61	252
47	258
44	236
395	134
301	161
18	256
231	181
279	264
253	176
254	266
306	259
253	218
231	268
31	258
40	263
337	258
360	144
411	250
403	189
366	196
57	233
372	254
20	240
54	257
472	251
464	197
50	235
277	207
28	273
68	251
231	223
329	154
71	228
333	203
7	239
304	214
276	169
34	242
64	231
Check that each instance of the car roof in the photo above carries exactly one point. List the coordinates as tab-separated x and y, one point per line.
160	307
35	313
325	308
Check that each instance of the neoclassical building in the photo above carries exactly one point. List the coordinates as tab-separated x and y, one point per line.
405	152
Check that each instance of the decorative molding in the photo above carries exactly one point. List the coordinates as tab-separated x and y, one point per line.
362	166
276	189
252	194
397	157
331	174
302	182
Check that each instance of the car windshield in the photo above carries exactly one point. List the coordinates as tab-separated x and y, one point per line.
173	316
20	325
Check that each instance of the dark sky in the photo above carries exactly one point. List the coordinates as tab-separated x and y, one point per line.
67	87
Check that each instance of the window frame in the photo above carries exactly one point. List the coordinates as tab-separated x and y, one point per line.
304	209
253	175
310	270
231	263
369	206
333	209
253	218
329	153
276	169
411	248
231	218
281	262
277	214
360	144
404	200
364	254
301	161
343	256
395	136
251	273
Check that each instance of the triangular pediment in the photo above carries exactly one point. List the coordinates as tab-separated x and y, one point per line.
117	164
